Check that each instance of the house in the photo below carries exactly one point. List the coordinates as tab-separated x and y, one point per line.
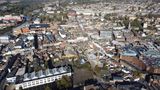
10	17
37	21
39	26
129	53
90	87
25	30
19	29
71	14
158	27
5	39
133	63
145	25
156	79
106	34
11	77
116	78
129	85
21	71
152	53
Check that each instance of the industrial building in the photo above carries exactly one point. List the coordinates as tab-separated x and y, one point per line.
27	80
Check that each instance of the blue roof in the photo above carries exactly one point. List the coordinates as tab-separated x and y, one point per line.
39	26
129	53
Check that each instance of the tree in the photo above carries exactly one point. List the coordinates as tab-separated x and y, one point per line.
64	83
20	88
137	73
95	15
37	68
126	22
47	87
46	64
107	16
137	23
132	9
114	7
97	69
100	14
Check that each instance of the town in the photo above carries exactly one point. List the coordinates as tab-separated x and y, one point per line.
80	45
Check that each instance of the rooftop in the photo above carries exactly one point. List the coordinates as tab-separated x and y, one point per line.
39	26
43	73
134	61
129	53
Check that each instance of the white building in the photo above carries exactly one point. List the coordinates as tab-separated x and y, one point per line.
4	39
37	21
33	79
106	35
10	17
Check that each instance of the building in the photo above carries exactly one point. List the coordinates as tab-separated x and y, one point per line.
71	14
33	79
129	53
10	17
23	28
116	78
38	27
37	21
152	53
153	70
129	85
133	63
106	34
91	87
4	39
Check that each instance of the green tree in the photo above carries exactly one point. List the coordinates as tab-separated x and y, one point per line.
37	68
47	87
126	22
64	83
100	14
114	7
97	70
137	73
136	23
107	16
46	64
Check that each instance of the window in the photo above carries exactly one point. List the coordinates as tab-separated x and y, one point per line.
41	81
33	82
58	77
29	84
53	79
37	82
24	85
45	80
49	79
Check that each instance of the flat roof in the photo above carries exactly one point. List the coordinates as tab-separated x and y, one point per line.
21	71
39	26
43	74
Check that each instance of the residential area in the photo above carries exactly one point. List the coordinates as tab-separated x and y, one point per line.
79	45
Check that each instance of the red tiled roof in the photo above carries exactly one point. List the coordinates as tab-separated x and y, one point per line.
134	61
